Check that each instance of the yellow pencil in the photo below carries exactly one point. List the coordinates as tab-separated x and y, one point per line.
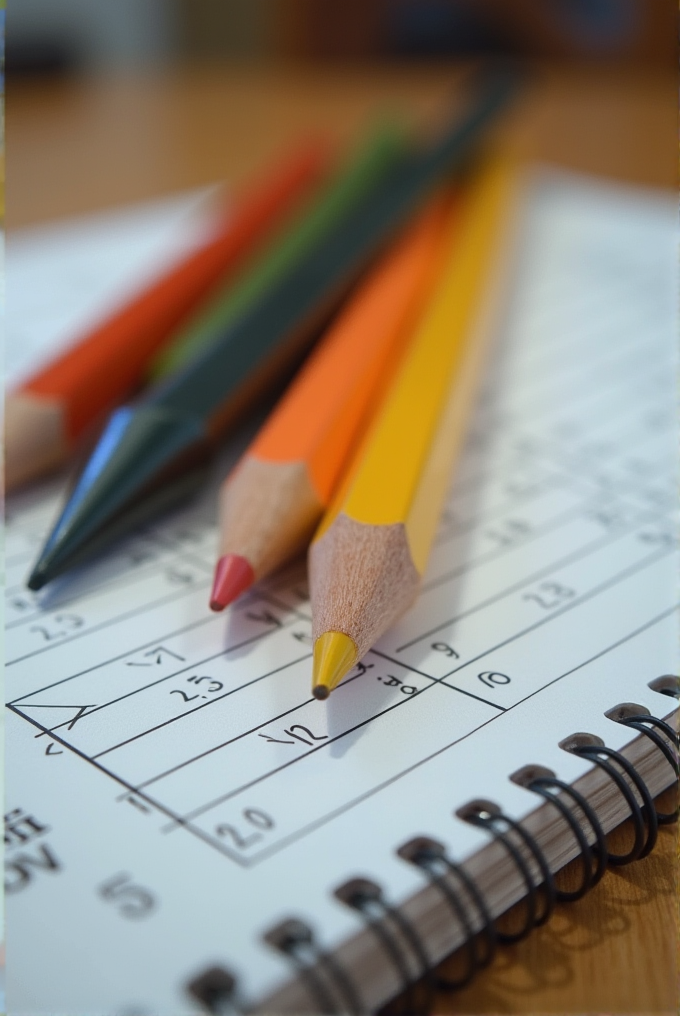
368	556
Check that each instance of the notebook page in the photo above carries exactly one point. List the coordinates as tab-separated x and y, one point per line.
65	277
173	788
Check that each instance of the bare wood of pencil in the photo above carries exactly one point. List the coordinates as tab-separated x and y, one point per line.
274	499
50	411
368	557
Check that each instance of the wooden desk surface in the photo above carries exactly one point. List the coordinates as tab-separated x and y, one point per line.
77	147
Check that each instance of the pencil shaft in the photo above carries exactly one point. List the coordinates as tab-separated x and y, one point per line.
320	415
97	371
307	227
367	558
45	417
429	402
314	285
272	501
145	445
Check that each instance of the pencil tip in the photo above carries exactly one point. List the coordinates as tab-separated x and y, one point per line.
37	579
334	656
233	575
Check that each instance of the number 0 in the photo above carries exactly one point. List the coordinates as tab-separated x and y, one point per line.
258	818
491	678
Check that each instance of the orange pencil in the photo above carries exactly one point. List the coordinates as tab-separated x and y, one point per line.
46	415
273	500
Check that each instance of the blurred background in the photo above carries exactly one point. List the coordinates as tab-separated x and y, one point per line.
110	102
70	36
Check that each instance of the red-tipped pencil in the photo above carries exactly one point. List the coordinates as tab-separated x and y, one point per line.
272	502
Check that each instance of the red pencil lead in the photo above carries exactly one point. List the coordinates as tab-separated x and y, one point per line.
233	575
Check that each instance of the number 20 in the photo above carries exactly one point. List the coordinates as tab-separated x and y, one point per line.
253	817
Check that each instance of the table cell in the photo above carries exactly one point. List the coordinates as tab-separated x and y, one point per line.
371	689
329	781
523	666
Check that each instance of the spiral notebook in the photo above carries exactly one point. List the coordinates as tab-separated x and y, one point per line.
188	830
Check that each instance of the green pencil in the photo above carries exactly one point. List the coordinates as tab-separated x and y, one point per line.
144	458
347	186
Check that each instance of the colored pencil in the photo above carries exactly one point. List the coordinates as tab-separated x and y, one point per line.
287	247
275	497
142	461
47	414
368	556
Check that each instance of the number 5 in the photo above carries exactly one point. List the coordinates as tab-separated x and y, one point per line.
133	901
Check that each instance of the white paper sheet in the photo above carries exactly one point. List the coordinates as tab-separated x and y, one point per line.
61	279
174	790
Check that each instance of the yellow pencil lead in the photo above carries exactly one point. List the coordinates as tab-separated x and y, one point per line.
334	656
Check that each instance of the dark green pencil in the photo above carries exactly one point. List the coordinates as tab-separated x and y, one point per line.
149	451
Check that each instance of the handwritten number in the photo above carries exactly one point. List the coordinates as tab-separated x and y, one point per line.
258	818
314	737
444	647
212	687
185	697
509	532
133	901
291	733
394	682
239	837
490	678
609	518
264	617
178	578
140	555
21	603
154	657
656	537
39	629
550	595
238	840
65	623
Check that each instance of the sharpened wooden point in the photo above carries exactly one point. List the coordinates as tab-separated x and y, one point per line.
334	656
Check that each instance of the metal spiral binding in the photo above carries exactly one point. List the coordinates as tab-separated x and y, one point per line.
593	859
589	746
214	989
430	856
490	817
295	940
329	984
367	897
637	717
667	684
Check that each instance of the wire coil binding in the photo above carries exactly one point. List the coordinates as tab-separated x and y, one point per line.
317	968
383	919
431	857
330	986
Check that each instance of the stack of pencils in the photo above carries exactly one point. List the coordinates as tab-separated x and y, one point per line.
394	264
